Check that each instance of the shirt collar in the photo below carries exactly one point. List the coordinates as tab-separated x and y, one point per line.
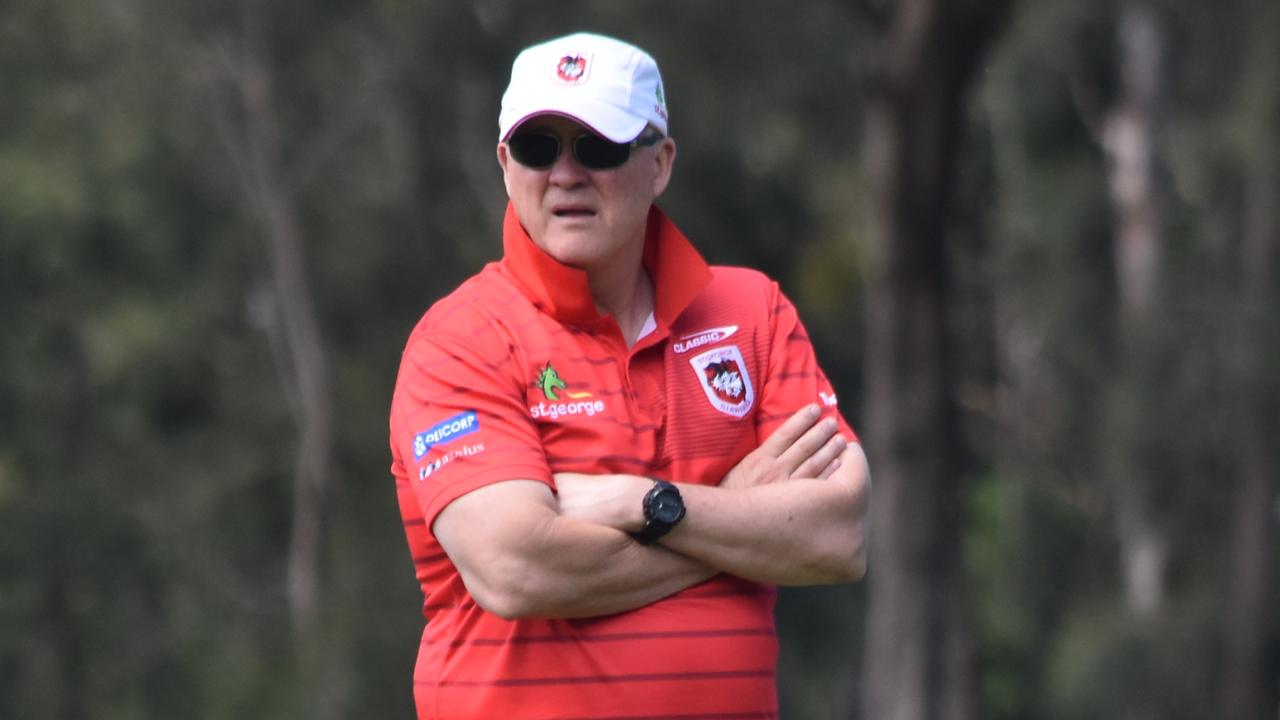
677	269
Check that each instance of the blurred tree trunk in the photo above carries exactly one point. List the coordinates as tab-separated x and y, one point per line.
1132	139
245	116
307	368
1249	620
919	650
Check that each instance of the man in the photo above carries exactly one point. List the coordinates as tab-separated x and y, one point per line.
608	454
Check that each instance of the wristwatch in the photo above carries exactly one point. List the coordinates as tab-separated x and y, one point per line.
663	508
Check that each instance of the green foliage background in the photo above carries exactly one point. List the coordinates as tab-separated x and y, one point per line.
147	439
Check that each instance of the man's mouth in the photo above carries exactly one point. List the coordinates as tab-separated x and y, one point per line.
572	211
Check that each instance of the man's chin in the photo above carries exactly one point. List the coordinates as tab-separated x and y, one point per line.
573	249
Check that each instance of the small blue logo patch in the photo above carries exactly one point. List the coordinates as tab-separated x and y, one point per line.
444	431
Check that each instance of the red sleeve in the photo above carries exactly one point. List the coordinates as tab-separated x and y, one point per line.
793	378
459	421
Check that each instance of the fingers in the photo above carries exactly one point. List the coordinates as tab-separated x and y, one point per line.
811	454
807	444
804	446
790	431
835	463
830	469
823	460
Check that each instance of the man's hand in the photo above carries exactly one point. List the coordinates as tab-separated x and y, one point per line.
803	447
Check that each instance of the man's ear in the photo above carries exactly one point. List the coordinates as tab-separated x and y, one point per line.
504	157
665	160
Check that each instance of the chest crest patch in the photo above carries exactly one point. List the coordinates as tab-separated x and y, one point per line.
723	374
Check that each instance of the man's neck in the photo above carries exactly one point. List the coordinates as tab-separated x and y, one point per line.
624	291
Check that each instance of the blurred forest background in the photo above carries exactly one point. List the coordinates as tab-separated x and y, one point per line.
1035	244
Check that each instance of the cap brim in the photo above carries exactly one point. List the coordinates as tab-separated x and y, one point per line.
604	119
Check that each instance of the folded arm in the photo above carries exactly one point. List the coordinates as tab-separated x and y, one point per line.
792	513
805	531
519	557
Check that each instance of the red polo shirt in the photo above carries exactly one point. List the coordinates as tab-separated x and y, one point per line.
515	375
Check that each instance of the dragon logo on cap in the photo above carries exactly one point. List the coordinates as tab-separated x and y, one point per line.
572	68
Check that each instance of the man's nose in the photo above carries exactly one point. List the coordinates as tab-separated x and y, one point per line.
567	169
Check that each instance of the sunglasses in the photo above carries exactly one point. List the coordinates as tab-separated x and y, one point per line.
540	151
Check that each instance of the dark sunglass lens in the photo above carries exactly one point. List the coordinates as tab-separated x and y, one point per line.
596	153
533	150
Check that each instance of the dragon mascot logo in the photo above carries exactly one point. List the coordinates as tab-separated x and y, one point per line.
723	374
550	383
572	69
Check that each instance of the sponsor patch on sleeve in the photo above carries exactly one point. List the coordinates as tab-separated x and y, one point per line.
444	432
466	451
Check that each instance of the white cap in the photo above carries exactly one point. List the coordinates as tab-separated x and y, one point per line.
610	86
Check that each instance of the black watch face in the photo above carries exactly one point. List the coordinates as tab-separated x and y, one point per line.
666	509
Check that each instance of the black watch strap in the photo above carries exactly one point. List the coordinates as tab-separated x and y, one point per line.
663	508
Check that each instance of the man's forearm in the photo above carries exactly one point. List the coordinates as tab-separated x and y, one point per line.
578	569
799	532
791	532
519	558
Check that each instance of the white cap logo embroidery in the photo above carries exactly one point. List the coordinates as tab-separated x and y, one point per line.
572	69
